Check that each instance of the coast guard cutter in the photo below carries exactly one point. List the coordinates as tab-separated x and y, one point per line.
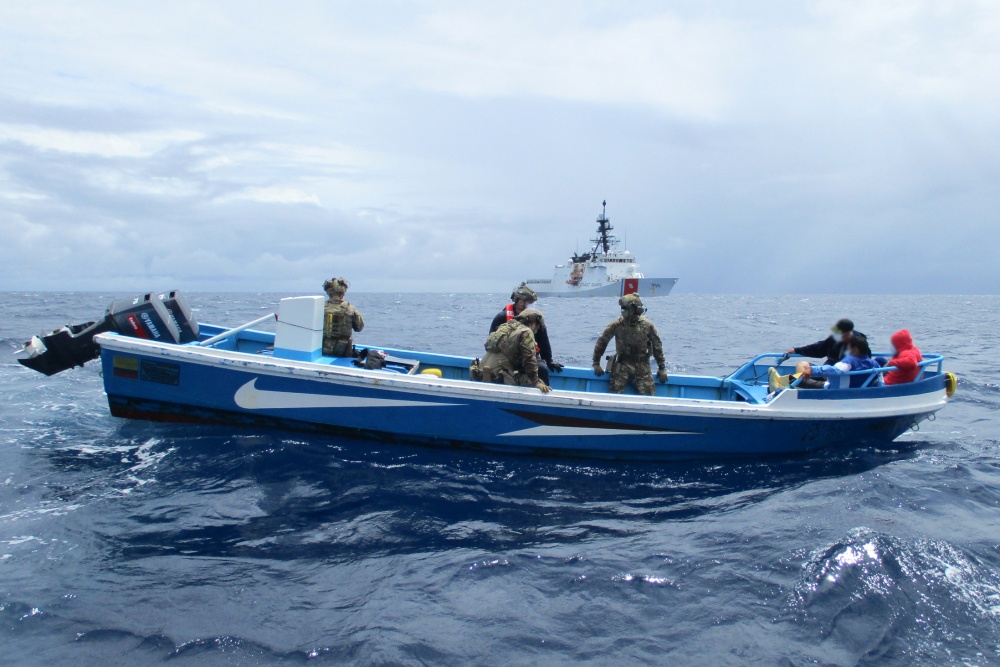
604	271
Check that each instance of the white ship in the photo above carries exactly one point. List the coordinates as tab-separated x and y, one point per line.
604	271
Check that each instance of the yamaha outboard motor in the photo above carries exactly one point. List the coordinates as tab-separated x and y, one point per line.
161	317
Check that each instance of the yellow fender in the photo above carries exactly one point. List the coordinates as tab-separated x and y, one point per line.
950	383
436	372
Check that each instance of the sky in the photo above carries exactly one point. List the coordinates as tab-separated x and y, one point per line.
762	148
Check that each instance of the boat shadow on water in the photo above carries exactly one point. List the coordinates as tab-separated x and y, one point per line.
210	492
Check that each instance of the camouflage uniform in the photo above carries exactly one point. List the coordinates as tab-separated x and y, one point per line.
339	319
510	355
635	340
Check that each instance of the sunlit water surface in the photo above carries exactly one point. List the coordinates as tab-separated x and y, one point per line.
137	543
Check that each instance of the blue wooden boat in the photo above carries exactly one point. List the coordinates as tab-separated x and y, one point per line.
218	375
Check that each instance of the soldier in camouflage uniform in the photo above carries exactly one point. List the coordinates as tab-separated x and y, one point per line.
339	320
510	352
635	340
522	297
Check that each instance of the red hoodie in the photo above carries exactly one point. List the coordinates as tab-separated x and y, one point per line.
906	359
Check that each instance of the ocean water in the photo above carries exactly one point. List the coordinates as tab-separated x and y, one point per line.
138	543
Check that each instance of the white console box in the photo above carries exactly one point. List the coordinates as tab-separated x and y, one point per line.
300	328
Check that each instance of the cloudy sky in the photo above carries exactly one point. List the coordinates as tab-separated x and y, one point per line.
764	147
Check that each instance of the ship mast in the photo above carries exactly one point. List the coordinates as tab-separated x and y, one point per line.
604	240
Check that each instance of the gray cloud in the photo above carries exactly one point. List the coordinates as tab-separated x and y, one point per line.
840	147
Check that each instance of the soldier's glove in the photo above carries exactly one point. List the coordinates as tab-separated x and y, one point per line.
544	387
555	367
598	371
661	375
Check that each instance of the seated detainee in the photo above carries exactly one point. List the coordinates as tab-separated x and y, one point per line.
858	358
905	357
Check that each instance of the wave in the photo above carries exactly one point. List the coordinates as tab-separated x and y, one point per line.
872	596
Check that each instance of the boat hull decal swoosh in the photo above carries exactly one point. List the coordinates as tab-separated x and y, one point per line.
560	425
249	397
549	431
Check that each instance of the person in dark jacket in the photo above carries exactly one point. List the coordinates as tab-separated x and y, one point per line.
522	298
906	359
833	347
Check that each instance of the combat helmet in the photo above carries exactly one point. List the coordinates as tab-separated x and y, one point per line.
631	304
524	292
529	315
335	286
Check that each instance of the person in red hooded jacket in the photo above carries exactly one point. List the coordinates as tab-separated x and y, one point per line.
905	359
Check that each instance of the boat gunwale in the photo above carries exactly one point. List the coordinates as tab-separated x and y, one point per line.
779	408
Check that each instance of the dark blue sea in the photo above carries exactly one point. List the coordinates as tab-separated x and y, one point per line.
140	543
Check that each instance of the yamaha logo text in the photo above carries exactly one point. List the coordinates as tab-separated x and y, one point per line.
149	323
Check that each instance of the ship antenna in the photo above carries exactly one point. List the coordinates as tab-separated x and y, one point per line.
604	240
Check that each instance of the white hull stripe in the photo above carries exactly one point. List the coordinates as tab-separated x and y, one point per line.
249	397
550	431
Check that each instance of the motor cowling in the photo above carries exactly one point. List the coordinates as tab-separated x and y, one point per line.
160	317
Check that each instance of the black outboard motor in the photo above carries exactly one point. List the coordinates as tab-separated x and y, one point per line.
161	317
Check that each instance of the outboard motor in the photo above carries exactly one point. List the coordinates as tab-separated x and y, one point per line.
161	317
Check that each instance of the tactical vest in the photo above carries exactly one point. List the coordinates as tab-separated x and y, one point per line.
503	347
509	310
338	322
632	343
